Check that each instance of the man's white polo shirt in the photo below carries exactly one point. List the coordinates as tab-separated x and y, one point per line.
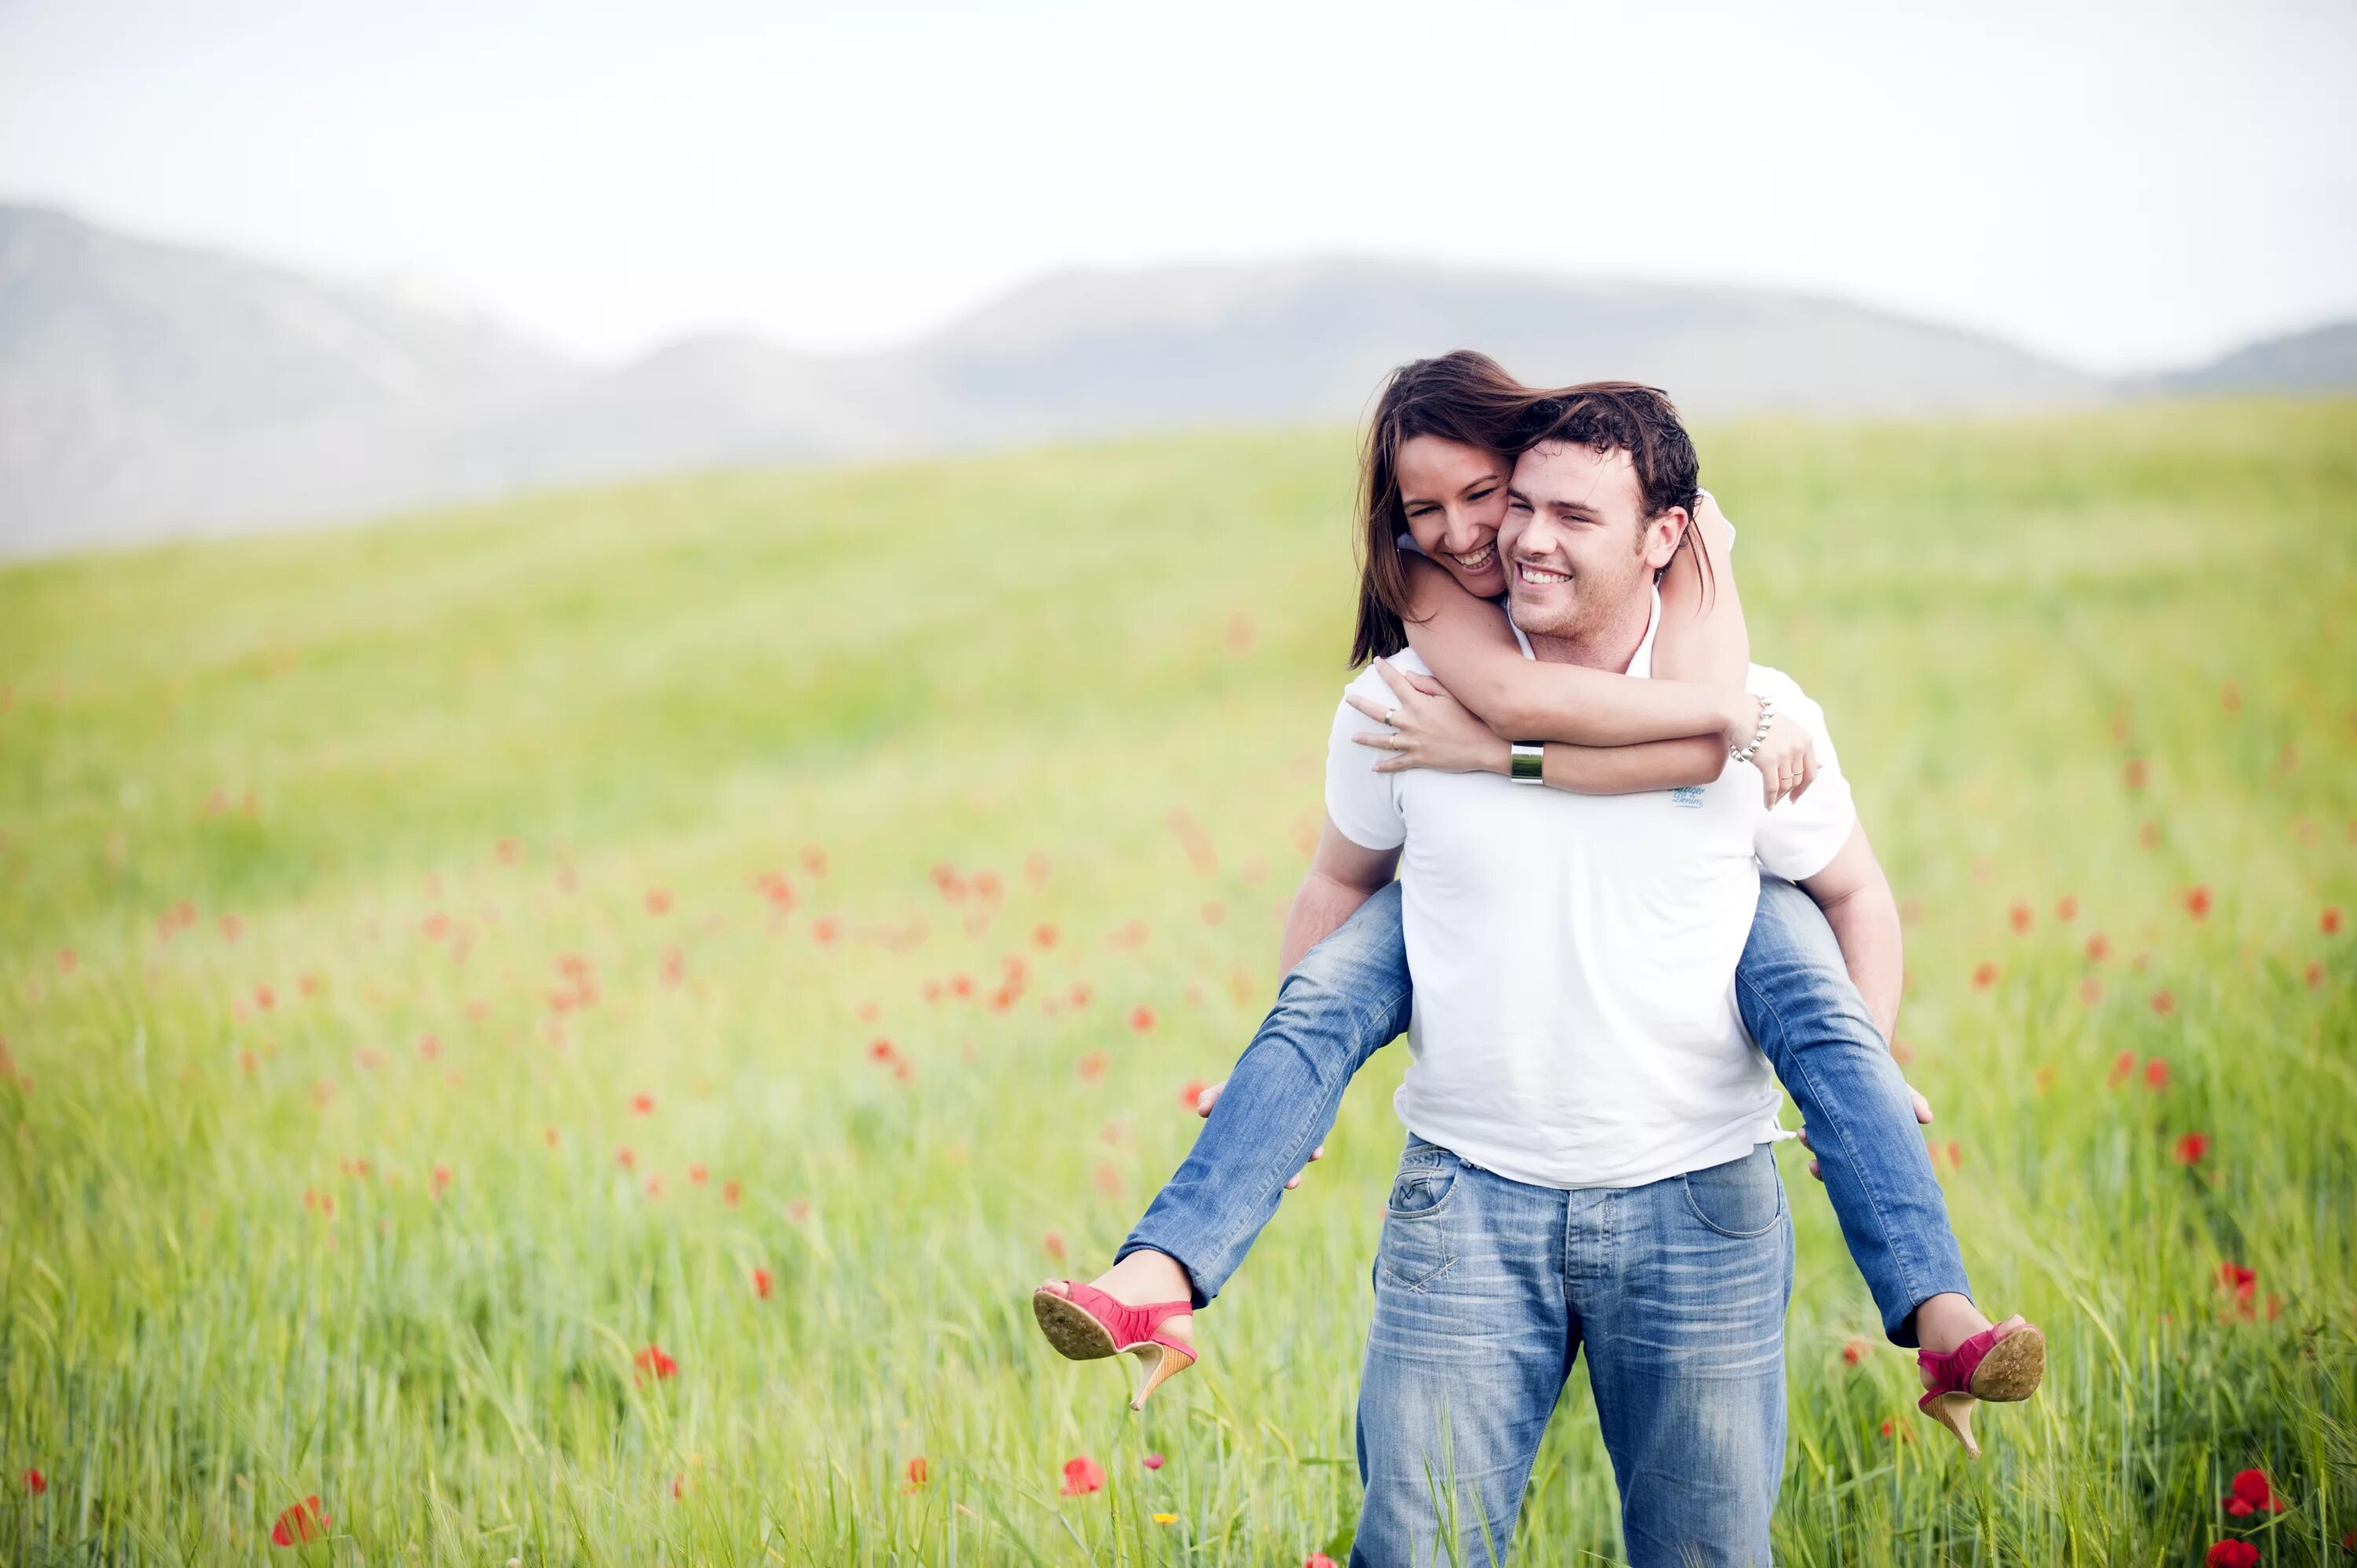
1574	955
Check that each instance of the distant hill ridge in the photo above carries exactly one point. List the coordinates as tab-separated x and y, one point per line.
150	390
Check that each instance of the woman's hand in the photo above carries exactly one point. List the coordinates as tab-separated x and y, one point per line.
1429	728
1787	757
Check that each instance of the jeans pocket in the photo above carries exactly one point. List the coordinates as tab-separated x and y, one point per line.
1415	1243
1740	1199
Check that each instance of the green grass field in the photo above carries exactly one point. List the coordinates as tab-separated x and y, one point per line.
354	886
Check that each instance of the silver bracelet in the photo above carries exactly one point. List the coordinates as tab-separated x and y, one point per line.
1767	717
1527	764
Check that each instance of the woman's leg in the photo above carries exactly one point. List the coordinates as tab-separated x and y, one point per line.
1798	1002
1346	1000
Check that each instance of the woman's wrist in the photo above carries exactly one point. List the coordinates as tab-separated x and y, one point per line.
1741	719
1498	755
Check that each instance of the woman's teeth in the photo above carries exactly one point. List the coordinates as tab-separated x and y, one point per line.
1539	577
1479	559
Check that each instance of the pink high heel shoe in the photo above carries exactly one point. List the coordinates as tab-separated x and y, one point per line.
1086	1325
2004	1363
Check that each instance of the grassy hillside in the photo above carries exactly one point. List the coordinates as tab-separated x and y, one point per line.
355	888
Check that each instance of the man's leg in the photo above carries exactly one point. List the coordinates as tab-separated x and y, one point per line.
1810	1022
1681	1288
1346	1000
1466	1355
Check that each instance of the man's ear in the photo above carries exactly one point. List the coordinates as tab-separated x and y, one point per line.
1661	536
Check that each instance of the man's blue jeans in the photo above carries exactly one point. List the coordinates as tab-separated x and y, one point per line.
1348	998
1487	1290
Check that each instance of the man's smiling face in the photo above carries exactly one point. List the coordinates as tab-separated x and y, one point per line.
1578	549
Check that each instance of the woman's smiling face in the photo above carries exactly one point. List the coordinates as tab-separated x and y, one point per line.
1455	498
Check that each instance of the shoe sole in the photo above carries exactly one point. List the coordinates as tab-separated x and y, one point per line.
2012	1370
1075	1334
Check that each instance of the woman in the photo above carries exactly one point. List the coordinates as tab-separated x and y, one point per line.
1439	452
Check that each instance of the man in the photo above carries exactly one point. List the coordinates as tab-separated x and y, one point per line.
1588	1163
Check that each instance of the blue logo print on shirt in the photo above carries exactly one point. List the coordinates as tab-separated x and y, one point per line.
1687	795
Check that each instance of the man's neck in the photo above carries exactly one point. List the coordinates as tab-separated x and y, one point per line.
1607	642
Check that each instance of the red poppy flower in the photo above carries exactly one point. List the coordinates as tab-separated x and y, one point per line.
549	1134
2066	909
2148	835
2156	1074
642	1103
823	931
1093	1065
1083	1475
2134	773
2315	975
1054	1243
2242	1282
987	883
36	1483
697	1174
2164	1003
1141	1018
624	1158
1108	1180
2090	990
1080	993
919	1473
2197	901
2330	921
1152	1461
1191	1092
652	1363
2099	948
2253	1494
2232	1554
672	968
2021	916
1318	1560
729	1191
301	1523
2122	1068
2192	1147
762	1284
1984	975
2043	1077
1855	1351
658	901
440	1181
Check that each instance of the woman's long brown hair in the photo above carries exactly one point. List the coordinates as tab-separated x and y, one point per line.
1463	397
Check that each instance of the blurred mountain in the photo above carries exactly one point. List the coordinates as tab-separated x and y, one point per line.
151	390
2321	359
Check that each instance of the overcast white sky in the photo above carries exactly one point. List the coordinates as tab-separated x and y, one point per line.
2122	184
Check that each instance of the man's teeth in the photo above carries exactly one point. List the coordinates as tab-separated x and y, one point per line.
1540	575
1479	559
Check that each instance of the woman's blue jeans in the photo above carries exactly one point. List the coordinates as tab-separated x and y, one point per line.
1348	998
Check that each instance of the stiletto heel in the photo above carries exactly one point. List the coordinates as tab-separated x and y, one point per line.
1954	1411
2003	1364
1084	1323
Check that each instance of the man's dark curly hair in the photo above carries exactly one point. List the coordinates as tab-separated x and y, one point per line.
1606	416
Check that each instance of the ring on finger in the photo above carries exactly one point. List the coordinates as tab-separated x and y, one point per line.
1391	716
